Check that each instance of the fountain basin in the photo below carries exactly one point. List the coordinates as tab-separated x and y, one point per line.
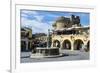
46	52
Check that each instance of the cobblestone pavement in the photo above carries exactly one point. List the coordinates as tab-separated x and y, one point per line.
69	56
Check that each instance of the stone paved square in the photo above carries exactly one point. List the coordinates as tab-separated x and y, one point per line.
70	56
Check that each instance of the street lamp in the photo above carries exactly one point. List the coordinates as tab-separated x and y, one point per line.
48	39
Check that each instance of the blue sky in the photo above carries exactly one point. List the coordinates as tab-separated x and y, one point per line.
41	21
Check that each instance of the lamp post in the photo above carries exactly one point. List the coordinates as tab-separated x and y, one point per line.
48	39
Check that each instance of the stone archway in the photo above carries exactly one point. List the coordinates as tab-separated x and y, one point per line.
23	46
88	46
78	44
56	43
66	45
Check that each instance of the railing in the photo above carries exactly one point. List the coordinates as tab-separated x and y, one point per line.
79	35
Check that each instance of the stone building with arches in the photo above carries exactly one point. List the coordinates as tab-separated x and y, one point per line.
69	34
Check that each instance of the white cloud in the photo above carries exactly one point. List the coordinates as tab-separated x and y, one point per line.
35	14
39	17
29	12
37	26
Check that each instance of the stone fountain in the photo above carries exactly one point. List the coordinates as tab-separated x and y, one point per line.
46	51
